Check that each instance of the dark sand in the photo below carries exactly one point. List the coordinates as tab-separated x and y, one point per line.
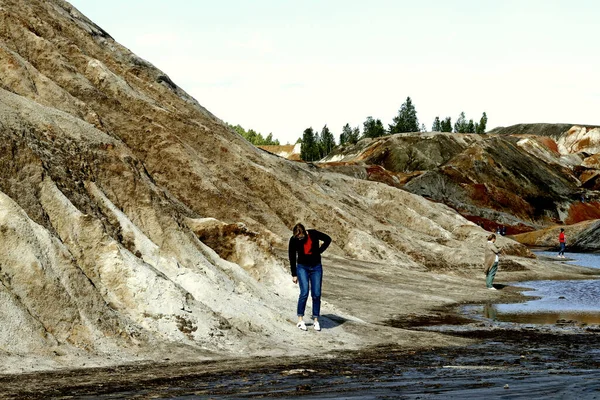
509	362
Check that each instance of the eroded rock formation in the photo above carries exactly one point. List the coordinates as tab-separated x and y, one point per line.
135	225
524	179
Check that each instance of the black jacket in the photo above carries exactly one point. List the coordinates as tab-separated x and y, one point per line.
296	247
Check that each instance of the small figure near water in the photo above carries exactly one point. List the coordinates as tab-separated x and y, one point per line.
562	241
304	248
490	262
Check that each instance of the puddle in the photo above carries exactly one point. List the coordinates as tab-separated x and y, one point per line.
567	302
591	260
542	318
555	302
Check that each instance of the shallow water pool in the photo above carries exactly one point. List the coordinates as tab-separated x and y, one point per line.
584	259
555	302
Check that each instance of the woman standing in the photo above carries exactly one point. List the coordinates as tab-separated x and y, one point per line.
305	262
490	261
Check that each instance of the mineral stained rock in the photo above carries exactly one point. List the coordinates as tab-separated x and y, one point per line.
523	178
134	225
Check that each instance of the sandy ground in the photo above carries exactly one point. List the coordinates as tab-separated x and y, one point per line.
396	352
511	362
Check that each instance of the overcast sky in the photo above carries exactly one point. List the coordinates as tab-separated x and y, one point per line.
281	66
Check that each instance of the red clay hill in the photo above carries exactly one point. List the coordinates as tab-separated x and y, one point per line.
523	177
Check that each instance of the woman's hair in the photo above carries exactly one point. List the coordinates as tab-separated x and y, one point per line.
492	236
299	229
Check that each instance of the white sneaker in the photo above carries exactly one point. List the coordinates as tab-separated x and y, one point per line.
301	325
317	326
492	288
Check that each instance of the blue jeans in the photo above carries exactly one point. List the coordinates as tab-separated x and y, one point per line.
309	276
489	278
561	252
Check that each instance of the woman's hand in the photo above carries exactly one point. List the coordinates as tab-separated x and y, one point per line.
295	279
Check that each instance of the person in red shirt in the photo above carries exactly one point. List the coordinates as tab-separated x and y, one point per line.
562	241
304	251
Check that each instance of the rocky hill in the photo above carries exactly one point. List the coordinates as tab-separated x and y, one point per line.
524	177
134	225
289	151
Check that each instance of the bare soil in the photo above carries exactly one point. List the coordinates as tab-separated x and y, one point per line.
509	363
410	341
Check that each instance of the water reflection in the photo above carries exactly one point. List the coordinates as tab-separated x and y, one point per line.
559	318
556	302
490	311
558	296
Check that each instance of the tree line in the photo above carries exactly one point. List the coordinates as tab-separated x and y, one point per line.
254	137
315	146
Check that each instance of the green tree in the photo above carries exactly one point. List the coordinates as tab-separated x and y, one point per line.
355	135
346	134
318	146
437	125
254	137
269	140
309	149
471	126
446	124
461	125
349	135
238	129
327	141
373	128
482	124
406	120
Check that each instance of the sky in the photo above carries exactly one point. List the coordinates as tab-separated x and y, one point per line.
281	66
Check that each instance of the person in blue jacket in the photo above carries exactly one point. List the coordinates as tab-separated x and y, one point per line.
304	251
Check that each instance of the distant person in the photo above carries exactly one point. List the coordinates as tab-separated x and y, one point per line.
305	261
503	230
562	241
490	261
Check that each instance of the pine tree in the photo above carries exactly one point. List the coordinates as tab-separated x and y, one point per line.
470	127
254	137
346	134
318	146
349	135
353	139
446	125
406	120
437	125
461	124
327	141
482	124
373	128
309	150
